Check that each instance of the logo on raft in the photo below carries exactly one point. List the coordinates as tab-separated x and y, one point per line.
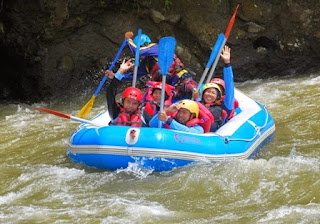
184	139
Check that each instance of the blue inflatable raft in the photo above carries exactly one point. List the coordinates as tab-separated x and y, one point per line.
116	147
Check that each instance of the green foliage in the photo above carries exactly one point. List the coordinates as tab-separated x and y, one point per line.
136	5
80	20
167	4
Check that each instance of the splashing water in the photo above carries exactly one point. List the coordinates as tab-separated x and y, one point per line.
39	184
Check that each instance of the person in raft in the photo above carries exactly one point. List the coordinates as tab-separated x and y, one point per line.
152	98
127	112
213	97
178	76
182	116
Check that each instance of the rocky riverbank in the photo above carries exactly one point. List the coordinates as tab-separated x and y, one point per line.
61	46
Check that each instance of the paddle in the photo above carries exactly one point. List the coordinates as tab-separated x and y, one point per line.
213	56
60	114
226	36
136	60
167	47
87	108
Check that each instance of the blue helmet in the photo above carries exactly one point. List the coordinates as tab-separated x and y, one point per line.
143	39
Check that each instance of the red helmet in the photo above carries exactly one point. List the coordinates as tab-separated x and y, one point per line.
132	93
219	82
168	88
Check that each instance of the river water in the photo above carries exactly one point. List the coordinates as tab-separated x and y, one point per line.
39	184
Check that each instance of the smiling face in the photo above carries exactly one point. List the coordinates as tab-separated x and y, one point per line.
184	115
157	95
130	105
210	95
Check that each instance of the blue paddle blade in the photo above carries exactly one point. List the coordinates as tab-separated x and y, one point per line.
215	50
167	47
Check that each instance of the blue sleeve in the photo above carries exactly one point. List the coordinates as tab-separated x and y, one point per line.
180	127
228	78
150	50
127	76
118	76
154	122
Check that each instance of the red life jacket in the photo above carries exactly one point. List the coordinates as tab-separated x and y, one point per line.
126	119
232	112
150	107
150	104
206	116
154	73
175	67
235	106
194	122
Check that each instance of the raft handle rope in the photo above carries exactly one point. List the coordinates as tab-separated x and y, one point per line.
258	128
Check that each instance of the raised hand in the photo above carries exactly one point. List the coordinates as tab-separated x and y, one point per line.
195	94
129	35
162	115
125	66
226	55
172	108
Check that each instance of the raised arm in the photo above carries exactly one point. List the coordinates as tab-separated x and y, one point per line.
113	108
228	78
150	50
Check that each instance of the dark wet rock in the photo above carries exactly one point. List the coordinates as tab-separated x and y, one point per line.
156	16
54	47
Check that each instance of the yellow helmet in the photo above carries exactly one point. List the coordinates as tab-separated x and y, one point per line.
190	105
212	85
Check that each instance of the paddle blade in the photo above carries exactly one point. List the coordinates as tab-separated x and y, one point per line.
57	113
215	50
167	47
85	110
227	33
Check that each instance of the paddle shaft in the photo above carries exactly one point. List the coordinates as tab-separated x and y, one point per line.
163	92
162	97
213	56
216	61
110	68
60	114
136	60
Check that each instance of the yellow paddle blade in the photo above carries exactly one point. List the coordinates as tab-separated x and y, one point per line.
87	108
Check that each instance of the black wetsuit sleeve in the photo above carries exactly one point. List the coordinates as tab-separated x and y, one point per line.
113	107
216	112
